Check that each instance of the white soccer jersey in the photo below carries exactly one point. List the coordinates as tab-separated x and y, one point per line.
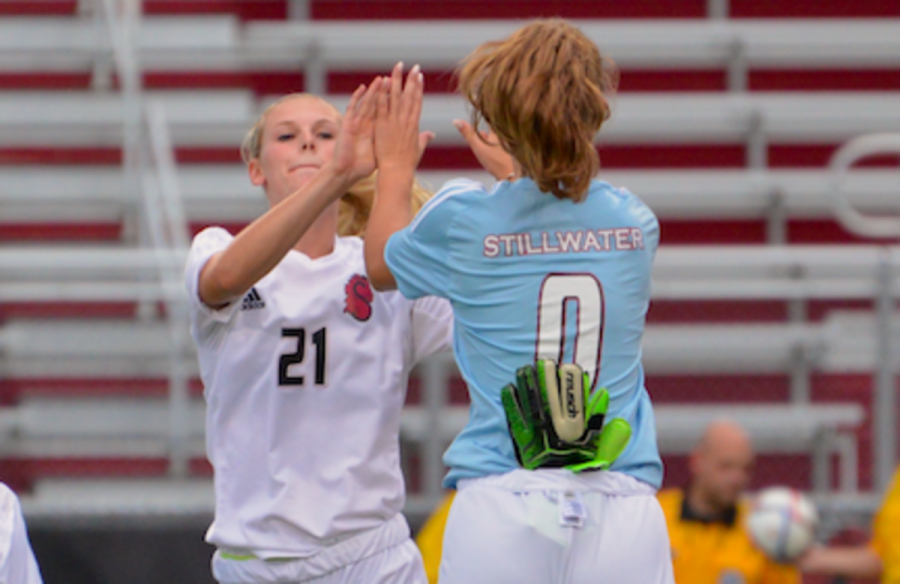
305	378
17	563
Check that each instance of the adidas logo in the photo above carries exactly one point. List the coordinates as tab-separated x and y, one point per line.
252	300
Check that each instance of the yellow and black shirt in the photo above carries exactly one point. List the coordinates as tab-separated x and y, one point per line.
886	533
431	537
719	551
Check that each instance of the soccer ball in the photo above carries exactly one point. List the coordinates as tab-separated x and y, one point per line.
782	523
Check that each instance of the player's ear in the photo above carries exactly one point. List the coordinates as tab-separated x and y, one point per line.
254	169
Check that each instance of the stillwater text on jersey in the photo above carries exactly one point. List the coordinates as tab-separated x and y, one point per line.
586	240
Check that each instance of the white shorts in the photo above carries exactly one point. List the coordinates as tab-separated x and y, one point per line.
551	525
382	556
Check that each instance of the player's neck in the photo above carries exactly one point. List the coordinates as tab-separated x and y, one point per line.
702	505
318	241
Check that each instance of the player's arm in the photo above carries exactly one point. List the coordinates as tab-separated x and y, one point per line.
263	244
849	561
398	148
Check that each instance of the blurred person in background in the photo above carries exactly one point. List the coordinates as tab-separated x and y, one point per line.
17	563
879	558
705	518
304	367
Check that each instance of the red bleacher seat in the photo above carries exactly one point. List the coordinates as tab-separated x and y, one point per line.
478	9
246	9
505	9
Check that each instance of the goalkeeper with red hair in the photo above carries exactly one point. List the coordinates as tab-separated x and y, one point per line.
556	473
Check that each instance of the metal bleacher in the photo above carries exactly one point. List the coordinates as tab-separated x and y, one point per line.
129	425
217	43
221	117
221	192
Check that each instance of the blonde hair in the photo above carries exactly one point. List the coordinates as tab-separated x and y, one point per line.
356	204
545	92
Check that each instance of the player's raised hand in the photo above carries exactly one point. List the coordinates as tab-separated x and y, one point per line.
398	143
354	152
486	147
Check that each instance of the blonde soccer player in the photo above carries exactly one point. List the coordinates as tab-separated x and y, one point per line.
304	366
551	264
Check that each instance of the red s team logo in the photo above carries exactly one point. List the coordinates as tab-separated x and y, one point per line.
359	298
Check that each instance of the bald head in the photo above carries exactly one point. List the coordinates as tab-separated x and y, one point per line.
724	436
721	464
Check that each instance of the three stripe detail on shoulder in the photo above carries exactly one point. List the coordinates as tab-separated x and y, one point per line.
252	300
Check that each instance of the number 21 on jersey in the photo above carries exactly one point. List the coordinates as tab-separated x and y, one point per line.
565	298
299	354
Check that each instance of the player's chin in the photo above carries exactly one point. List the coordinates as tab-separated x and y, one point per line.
300	177
729	498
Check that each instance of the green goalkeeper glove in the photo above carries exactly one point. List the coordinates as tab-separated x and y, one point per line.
555	422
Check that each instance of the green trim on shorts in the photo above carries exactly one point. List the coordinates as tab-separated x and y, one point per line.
244	557
236	557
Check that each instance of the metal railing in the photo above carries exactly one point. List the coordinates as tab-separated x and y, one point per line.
884	399
157	214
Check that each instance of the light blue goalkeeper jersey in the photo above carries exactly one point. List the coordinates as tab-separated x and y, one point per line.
532	276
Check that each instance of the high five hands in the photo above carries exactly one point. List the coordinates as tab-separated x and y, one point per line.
381	127
399	144
354	151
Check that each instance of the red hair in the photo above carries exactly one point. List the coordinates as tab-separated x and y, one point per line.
545	92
